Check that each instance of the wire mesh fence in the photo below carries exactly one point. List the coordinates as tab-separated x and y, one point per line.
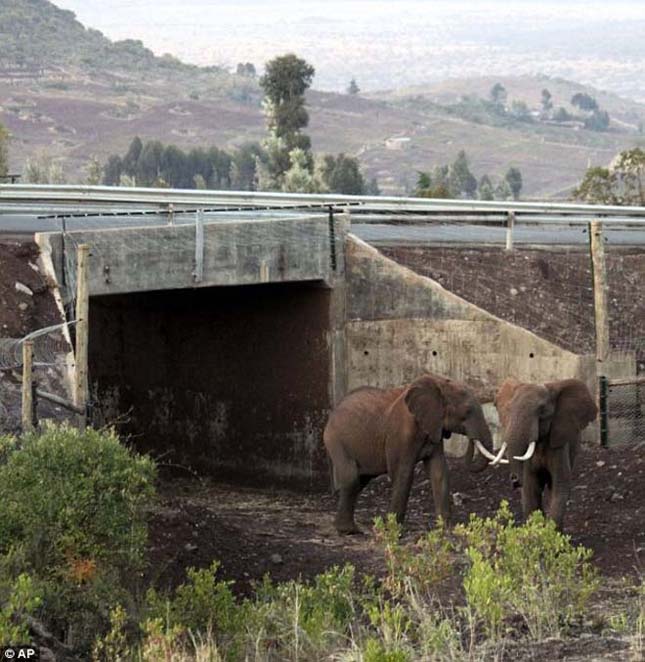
623	411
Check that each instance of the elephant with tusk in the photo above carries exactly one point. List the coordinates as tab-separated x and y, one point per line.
374	431
541	428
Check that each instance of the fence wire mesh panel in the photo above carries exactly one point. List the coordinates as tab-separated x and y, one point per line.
52	368
625	411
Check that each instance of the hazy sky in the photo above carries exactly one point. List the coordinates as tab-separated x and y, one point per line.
393	44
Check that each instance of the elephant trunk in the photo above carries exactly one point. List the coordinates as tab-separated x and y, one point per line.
521	431
483	435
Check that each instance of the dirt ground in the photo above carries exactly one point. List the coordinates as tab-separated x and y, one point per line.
254	531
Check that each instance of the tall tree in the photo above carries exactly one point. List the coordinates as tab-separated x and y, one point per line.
461	181
547	102
584	101
131	158
353	88
485	189
285	81
498	94
513	178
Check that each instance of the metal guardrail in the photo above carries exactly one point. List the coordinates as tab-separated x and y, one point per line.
49	197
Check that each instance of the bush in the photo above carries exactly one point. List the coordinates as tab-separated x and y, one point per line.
532	571
421	567
72	518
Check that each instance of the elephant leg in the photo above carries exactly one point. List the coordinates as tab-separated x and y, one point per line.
531	492
560	487
402	475
349	484
437	471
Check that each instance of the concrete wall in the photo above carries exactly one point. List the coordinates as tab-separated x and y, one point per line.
165	257
232	381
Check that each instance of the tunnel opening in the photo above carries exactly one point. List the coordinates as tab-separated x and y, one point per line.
231	382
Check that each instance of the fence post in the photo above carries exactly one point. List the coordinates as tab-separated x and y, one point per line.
603	389
82	332
510	224
599	271
27	386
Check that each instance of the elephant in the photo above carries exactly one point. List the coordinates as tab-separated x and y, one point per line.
374	431
541	427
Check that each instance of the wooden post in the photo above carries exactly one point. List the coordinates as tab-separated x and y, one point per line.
82	332
510	224
599	271
27	386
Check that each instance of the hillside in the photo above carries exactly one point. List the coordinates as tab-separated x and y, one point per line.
72	93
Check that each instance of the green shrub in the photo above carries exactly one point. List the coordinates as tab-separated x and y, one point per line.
18	600
422	567
203	604
532	571
73	519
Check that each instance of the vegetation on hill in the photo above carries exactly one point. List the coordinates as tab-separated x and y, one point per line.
284	161
36	34
457	181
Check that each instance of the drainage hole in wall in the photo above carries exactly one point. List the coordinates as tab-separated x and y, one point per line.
531	355
366	353
434	352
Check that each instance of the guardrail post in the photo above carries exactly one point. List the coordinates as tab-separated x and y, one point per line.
28	386
81	384
599	271
510	224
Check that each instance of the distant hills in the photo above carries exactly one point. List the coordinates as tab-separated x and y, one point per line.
74	94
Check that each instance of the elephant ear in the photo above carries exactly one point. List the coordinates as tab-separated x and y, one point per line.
503	397
574	410
425	402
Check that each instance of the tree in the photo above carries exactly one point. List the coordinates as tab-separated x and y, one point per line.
561	115
42	169
353	88
547	102
342	174
599	186
298	178
485	189
520	110
503	191
285	81
246	69
372	187
149	163
622	183
113	170
4	151
94	172
513	178
461	182
132	156
584	101
498	94
597	121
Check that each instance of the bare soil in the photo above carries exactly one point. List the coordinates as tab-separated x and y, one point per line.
196	522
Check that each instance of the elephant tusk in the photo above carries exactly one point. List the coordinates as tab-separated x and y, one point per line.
528	455
483	450
499	457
